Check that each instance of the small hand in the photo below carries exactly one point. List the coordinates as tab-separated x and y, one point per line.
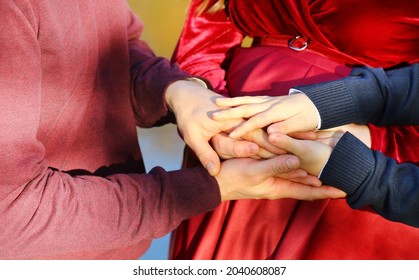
362	132
313	154
284	114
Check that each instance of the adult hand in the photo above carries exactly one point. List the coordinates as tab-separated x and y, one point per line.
227	147
284	114
192	105
258	179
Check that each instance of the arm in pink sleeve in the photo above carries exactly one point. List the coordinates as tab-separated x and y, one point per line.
206	45
45	212
150	76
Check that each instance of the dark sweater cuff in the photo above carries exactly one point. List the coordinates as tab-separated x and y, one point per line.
335	111
149	102
348	165
197	191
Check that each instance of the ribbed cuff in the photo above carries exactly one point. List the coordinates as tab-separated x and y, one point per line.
334	111
197	191
348	165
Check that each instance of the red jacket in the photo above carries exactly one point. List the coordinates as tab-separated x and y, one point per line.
340	34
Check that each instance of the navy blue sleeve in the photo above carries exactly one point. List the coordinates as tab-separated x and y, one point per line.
372	179
368	95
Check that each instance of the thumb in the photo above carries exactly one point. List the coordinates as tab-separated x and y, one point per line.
208	157
275	166
290	125
285	142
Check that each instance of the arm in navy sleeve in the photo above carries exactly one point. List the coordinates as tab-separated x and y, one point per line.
368	95
368	177
372	179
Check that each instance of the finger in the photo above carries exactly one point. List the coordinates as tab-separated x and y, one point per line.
264	154
286	143
207	156
243	111
337	192
289	189
227	147
228	125
261	138
304	135
241	100
275	166
309	180
293	174
291	124
258	121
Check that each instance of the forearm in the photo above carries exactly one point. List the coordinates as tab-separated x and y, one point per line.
368	95
371	179
150	77
56	213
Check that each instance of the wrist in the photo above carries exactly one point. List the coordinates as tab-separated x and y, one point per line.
316	115
198	81
176	88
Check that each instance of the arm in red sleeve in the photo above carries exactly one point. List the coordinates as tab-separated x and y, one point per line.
45	212
206	45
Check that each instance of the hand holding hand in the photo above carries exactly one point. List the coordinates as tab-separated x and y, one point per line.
313	154
263	179
284	114
192	104
256	142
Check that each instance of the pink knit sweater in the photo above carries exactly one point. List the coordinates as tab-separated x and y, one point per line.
74	82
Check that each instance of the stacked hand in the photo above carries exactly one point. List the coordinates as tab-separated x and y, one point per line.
193	106
253	135
285	116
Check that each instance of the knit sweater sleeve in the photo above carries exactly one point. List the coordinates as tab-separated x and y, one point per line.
150	76
372	179
46	212
368	96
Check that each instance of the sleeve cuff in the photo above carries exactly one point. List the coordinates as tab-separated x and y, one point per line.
196	191
335	111
348	165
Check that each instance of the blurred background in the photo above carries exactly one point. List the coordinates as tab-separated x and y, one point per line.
161	146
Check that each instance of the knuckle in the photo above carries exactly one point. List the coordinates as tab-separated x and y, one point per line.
237	150
279	167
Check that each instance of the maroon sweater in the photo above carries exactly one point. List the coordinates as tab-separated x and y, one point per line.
74	82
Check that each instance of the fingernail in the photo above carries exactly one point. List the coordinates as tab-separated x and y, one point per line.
253	149
210	167
292	163
273	138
